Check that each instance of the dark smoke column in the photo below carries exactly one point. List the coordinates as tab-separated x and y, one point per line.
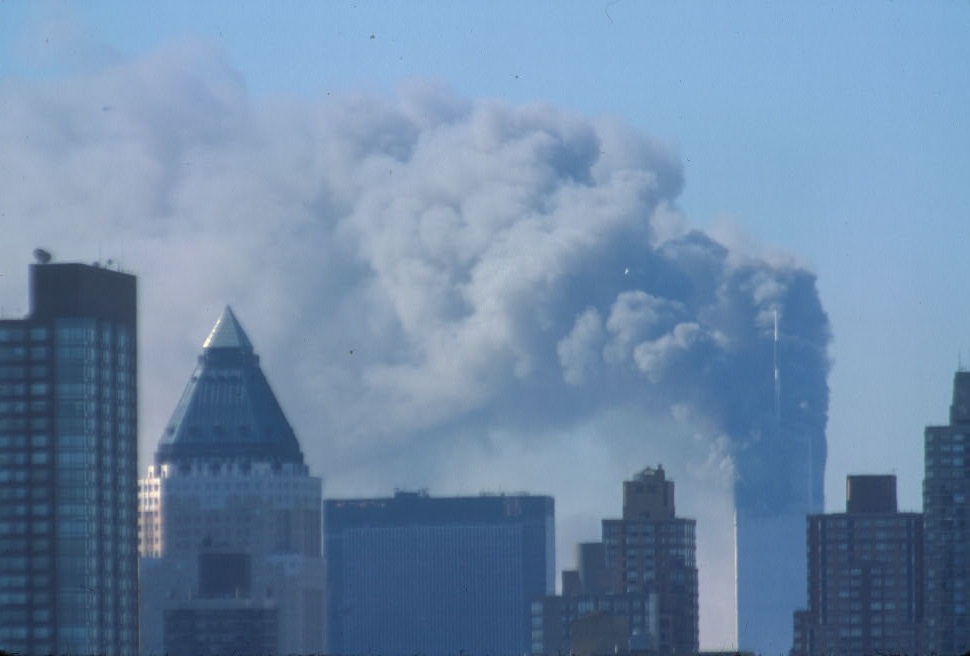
739	343
780	461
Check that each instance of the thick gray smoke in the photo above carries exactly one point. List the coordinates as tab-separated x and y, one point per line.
445	292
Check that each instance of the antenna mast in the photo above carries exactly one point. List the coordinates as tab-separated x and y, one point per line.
777	379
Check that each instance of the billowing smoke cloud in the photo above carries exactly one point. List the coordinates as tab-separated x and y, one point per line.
445	292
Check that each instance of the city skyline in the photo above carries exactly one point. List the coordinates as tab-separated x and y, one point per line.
222	155
228	426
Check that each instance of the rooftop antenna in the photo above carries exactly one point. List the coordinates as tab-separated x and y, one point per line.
777	378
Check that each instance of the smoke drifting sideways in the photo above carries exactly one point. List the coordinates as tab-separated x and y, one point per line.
445	292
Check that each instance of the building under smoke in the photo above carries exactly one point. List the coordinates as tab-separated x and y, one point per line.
636	591
779	458
539	281
230	518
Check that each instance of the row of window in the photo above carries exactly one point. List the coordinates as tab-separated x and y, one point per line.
19	441
19	353
68	458
19	406
17	334
82	388
19	458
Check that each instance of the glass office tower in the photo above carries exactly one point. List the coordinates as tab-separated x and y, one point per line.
440	576
68	465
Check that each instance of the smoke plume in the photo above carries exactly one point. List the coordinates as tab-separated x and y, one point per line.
446	292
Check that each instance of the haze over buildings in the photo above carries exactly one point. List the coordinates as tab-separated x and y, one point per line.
491	286
452	233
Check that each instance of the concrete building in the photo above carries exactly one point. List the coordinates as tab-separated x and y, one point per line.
224	618
221	626
68	465
946	490
436	576
229	478
865	576
634	592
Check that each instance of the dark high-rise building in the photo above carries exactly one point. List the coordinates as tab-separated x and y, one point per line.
68	465
865	576
634	592
230	518
946	511
437	576
222	626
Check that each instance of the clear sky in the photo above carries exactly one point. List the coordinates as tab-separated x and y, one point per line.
837	135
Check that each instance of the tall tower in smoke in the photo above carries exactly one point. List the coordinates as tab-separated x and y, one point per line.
777	486
774	361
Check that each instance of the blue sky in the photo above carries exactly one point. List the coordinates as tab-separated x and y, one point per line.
837	134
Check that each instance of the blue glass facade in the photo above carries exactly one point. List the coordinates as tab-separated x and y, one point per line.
68	459
415	574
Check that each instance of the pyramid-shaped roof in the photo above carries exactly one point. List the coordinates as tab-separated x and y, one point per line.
227	333
228	410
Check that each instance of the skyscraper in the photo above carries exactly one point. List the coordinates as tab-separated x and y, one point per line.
946	513
634	592
437	576
68	465
230	500
865	576
780	465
